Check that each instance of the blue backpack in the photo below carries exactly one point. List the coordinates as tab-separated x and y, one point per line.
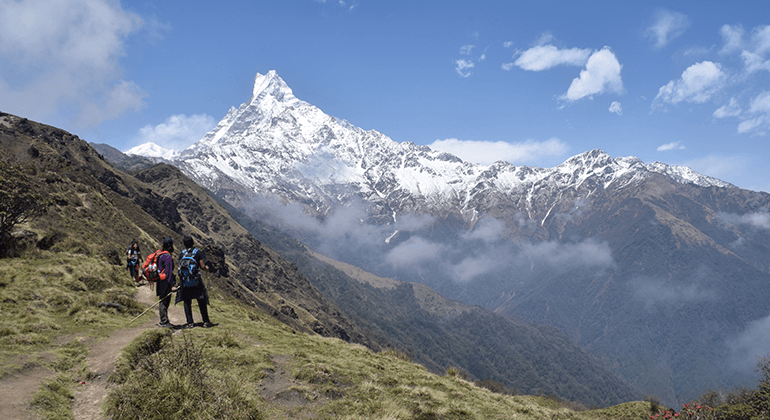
188	268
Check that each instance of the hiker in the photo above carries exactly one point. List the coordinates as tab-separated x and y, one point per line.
166	281
133	258
191	261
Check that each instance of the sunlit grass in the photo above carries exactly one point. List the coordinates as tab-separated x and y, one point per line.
54	301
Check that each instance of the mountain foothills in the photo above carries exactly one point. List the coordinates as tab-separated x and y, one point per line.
659	271
96	209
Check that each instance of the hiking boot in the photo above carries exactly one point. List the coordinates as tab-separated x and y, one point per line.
207	324
165	325
188	326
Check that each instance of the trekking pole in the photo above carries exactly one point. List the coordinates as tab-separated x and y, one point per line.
153	305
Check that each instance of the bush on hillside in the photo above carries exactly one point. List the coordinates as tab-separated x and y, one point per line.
170	379
742	403
19	202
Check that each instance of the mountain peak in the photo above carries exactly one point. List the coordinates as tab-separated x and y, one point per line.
151	149
271	84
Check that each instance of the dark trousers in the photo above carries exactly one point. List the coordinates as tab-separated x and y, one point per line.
201	305
163	309
163	289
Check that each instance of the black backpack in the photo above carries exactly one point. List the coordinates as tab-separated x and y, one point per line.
188	268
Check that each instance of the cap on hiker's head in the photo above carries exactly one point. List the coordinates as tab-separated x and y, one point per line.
188	241
168	243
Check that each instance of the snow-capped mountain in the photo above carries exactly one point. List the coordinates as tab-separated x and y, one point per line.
152	150
628	259
276	144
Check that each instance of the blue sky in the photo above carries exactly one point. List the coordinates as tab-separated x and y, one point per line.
681	82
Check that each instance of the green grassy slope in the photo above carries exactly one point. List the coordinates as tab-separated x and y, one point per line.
268	357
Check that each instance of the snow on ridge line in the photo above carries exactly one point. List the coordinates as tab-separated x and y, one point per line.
275	133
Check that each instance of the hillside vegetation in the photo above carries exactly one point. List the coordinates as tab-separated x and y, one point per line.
281	349
249	366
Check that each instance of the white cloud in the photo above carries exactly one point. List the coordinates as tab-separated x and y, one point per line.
507	66
670	146
487	152
414	251
750	344
732	37
668	25
656	292
117	100
68	51
760	109
508	44
761	104
759	219
602	74
466	49
616	107
463	67
178	131
760	39
587	253
754	62
544	57
732	109
697	84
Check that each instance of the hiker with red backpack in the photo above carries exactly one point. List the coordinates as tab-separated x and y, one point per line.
166	280
191	261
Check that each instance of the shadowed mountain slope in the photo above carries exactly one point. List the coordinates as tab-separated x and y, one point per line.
98	210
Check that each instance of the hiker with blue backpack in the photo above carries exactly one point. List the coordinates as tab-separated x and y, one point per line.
133	261
191	261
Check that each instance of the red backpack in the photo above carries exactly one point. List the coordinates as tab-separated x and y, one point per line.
150	266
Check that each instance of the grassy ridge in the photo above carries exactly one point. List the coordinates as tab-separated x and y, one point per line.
250	366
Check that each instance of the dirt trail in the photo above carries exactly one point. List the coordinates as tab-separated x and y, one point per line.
103	354
16	390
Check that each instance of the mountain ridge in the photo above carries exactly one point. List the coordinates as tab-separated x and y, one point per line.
277	136
598	247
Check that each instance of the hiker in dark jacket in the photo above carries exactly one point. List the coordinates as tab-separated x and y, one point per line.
134	261
194	288
166	282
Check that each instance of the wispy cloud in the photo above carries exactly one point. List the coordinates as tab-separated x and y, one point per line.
718	166
616	108
753	112
68	51
667	26
732	36
760	219
463	67
177	132
486	152
670	146
601	75
697	84
544	57
759	111
749	345
466	49
657	292
731	109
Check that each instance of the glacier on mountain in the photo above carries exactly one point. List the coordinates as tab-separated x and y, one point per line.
278	145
